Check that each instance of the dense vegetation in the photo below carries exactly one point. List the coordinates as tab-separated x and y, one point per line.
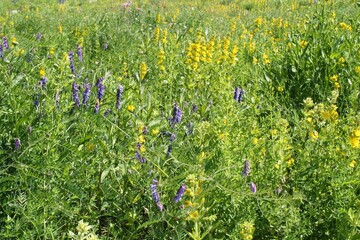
180	119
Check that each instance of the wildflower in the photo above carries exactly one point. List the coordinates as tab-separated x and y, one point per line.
43	81
99	82
172	138
177	114
357	70
86	94
38	36
193	215
355	138
303	43
80	53
247	230
314	135
1	51
5	43
131	108
97	106
17	144
190	128
266	59
155	194
155	131
138	157
245	172
75	92
107	112
179	193
309	102
290	162
236	93
60	28
194	108
252	187
71	59
101	90
143	70
119	93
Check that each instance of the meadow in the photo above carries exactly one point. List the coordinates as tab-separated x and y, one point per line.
154	119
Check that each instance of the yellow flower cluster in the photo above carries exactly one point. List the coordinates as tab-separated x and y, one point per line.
157	34
320	113
200	51
355	138
194	202
335	80
266	59
161	59
303	43
345	26
357	70
247	230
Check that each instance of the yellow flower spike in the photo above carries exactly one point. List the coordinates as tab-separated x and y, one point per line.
202	201
188	203
189	192
60	28
51	51
131	108
143	70
158	18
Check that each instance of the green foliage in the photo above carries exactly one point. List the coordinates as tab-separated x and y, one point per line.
87	171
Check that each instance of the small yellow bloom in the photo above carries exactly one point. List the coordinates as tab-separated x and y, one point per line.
143	70
277	166
357	70
189	192
255	141
155	131
266	59
355	142
290	162
352	164
356	133
194	215
309	120
188	203
131	108
303	43
280	89
141	139
314	135
142	148
42	72
60	28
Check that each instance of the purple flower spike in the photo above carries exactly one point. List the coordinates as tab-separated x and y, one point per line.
1	51
71	59
101	90
107	112
86	94
99	81
57	99
194	108
177	115
80	53
154	191
119	93
252	187
17	144
43	82
5	43
179	193
236	93
75	92
245	172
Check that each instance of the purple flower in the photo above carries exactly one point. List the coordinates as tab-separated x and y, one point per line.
177	114
238	94
71	59
138	157
97	106
101	90
17	144
119	93
245	172
179	193
160	206
171	140
99	81
75	94
1	51
107	112
36	100
43	82
252	187
5	43
86	94
154	191
194	108
80	53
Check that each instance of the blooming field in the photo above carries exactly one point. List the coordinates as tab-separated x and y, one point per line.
185	119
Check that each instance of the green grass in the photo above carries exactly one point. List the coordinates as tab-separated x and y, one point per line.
298	122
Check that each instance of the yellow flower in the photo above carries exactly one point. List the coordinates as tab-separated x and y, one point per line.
142	148
158	18
290	162
255	61
60	28
255	141
308	102
356	133
141	139
155	131
194	215
266	59
277	166
280	89
303	43
355	142
42	72
131	108
188	203
143	70
334	78
309	119
314	135
52	51
352	164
